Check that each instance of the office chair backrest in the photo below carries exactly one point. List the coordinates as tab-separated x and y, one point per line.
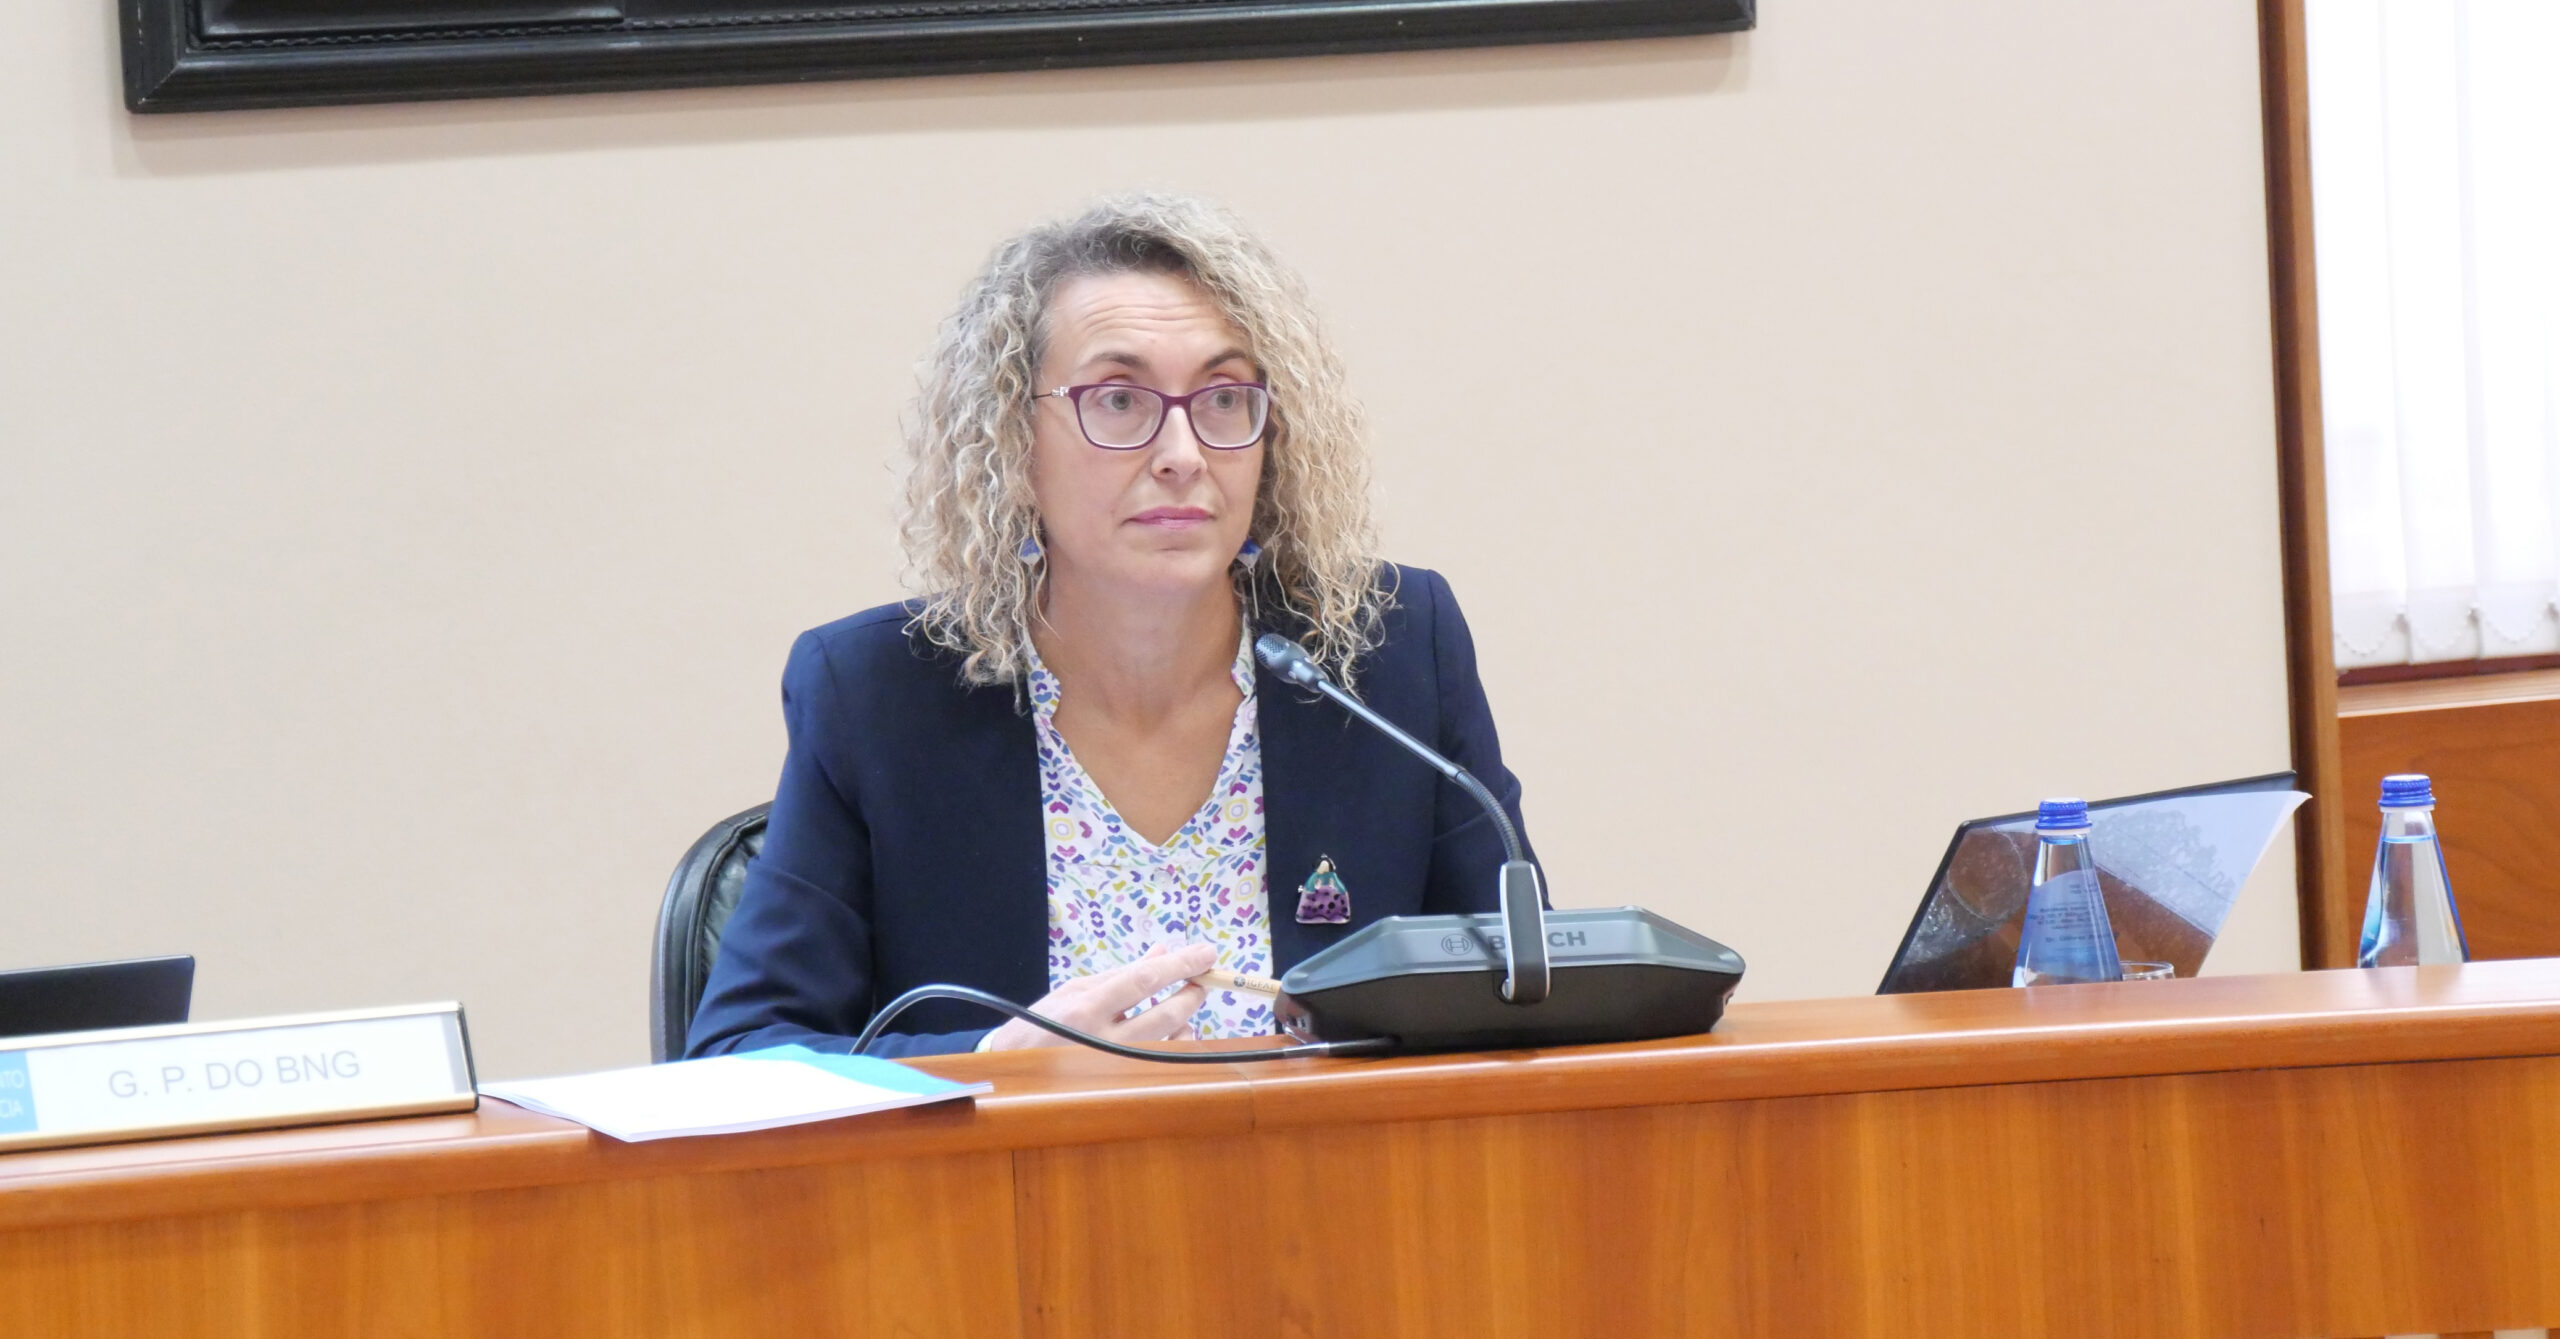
700	897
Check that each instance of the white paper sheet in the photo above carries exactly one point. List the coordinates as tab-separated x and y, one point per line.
759	1090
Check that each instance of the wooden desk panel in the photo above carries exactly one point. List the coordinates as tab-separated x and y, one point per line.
2353	1200
903	1248
2318	1155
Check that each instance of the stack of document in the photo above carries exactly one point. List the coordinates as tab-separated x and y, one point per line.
757	1090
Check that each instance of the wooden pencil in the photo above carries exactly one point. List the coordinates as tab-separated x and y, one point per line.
1219	978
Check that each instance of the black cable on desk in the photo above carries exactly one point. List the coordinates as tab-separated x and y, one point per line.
880	1020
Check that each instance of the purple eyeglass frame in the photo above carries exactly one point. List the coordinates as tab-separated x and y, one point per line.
1074	396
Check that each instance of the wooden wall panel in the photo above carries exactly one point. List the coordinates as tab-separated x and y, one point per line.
2496	767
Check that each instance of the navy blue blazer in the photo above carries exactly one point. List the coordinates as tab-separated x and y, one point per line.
905	845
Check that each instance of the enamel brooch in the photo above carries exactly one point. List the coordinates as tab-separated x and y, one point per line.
1322	900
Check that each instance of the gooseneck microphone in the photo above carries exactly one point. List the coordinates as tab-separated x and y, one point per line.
1524	977
1523	900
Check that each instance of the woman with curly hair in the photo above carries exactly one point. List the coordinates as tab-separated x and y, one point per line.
1057	774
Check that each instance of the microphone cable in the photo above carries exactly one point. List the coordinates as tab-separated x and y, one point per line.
966	995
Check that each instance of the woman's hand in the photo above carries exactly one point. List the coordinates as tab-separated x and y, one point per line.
1097	1003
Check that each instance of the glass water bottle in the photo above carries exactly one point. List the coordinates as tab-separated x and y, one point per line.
2066	937
2409	916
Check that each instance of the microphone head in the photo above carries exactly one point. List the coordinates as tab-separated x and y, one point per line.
1287	659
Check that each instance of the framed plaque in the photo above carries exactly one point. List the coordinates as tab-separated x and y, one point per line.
205	55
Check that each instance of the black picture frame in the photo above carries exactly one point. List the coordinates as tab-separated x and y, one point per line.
213	55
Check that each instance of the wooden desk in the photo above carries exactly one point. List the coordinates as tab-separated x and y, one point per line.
2329	1154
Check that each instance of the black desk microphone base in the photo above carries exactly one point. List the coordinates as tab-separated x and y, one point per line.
1434	983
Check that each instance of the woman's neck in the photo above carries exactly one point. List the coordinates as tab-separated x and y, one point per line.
1135	658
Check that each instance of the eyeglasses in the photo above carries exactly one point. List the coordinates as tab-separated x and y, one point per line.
1119	416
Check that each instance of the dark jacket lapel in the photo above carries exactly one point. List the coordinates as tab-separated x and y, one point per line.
1302	762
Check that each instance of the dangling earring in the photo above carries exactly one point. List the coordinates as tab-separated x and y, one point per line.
1031	551
1247	556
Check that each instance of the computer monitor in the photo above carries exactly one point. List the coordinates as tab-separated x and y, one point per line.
2169	863
135	992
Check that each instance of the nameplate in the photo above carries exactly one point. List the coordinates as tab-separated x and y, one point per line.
257	1073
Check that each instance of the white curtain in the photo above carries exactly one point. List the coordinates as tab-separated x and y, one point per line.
2435	183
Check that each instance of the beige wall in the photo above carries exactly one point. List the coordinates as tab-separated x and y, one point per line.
1833	432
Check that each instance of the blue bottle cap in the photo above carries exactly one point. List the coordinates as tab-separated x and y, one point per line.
2065	815
2407	790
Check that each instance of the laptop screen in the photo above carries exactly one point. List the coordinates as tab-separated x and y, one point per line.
136	992
2170	864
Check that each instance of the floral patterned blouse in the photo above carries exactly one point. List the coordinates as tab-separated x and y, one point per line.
1113	894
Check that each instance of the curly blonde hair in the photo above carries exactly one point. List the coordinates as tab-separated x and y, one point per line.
969	510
